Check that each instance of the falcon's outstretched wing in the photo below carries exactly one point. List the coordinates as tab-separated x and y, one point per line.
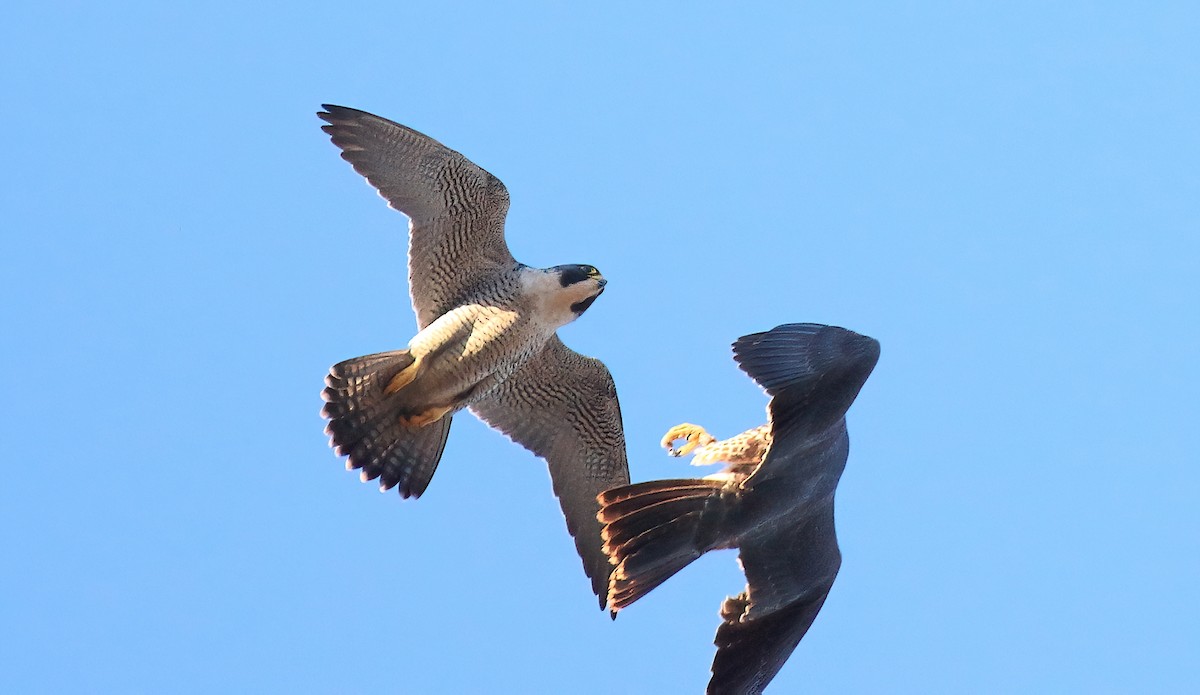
563	407
788	576
456	209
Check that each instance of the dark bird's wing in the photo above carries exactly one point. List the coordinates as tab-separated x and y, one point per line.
812	372
456	209
563	407
788	575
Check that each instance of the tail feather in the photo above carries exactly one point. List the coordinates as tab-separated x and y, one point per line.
364	424
354	395
624	531
645	546
621	501
651	532
653	557
402	456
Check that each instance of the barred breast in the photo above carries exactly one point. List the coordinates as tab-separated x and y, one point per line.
473	348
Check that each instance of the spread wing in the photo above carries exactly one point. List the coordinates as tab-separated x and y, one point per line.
563	407
456	209
788	576
812	372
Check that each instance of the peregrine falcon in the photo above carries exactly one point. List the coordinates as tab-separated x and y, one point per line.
774	502
486	339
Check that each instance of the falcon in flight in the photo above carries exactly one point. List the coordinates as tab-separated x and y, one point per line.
774	502
486	339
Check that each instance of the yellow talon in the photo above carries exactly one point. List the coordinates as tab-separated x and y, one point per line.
403	378
694	435
426	418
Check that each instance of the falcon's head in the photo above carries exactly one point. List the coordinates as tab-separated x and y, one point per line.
565	291
581	284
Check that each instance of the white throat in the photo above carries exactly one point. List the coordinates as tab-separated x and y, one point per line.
549	300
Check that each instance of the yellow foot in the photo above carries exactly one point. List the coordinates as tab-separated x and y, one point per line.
429	416
694	434
403	378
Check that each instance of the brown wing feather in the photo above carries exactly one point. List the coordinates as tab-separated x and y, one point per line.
456	209
563	407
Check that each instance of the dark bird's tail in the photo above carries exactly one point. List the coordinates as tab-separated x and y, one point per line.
364	424
652	530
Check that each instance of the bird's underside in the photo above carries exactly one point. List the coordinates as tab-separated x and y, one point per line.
486	339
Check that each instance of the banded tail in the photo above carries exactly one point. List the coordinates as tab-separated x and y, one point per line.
652	530
364	424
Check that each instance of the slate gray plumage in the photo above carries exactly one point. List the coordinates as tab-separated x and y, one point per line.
486	339
779	513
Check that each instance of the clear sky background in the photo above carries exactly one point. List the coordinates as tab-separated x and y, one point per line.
1007	197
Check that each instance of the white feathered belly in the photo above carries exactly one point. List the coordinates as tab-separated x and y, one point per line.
471	349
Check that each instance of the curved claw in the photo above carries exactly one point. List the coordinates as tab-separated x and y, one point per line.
425	418
694	436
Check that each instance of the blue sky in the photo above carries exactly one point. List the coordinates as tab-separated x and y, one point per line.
1006	196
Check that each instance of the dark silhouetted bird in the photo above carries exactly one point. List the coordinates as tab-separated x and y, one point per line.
774	502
